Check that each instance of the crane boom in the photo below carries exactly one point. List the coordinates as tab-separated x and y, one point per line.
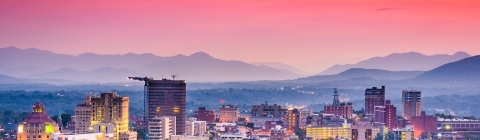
145	92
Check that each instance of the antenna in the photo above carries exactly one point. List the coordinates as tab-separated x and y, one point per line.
174	76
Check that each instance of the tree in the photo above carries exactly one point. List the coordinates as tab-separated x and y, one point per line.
299	132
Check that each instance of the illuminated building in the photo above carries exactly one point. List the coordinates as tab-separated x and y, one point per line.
424	123
390	115
339	109
374	97
86	136
293	120
461	126
329	132
110	108
228	114
265	110
205	115
128	135
411	103
183	137
161	127
406	133
38	125
364	130
168	98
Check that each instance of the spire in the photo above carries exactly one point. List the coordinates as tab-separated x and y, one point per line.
336	101
59	119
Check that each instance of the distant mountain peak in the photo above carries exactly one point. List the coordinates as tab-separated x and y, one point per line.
201	55
461	53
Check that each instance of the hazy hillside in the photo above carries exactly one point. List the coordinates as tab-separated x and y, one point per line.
287	67
411	61
465	72
356	73
89	67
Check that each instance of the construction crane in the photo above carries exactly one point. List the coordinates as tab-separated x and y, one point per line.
145	92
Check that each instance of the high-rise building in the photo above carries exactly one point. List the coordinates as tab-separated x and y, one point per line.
374	97
38	125
293	120
379	119
161	128
390	115
426	124
205	115
168	98
228	114
111	108
337	108
266	110
83	116
411	103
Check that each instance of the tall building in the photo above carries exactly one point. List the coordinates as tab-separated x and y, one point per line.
379	119
425	124
337	108
111	108
374	97
168	98
228	114
411	103
205	115
390	115
83	116
38	125
161	128
266	110
293	120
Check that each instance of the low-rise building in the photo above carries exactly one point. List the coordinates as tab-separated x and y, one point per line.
161	127
183	137
326	132
406	133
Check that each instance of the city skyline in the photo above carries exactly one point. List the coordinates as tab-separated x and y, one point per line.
293	33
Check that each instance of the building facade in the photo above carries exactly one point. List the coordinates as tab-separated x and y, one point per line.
168	98
337	108
205	115
424	124
161	128
83	116
228	114
411	103
293	120
266	110
374	97
278	133
364	130
110	108
320	132
195	128
38	125
406	133
390	115
379	119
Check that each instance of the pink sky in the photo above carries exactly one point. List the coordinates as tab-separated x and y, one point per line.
291	32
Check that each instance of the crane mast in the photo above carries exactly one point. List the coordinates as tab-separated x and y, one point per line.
145	94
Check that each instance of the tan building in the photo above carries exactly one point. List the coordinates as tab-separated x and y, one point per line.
228	114
278	133
406	133
108	108
161	128
364	130
195	128
83	116
411	103
132	135
37	126
304	114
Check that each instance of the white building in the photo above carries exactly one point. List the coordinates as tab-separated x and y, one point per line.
86	136
182	137
406	133
161	127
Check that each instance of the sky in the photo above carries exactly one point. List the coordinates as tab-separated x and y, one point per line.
290	32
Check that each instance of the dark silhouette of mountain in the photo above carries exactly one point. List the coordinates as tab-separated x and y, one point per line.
356	73
411	61
34	63
282	66
465	72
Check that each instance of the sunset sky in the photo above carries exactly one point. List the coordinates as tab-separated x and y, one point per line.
291	32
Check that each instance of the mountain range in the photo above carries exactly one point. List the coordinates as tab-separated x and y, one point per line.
89	67
411	61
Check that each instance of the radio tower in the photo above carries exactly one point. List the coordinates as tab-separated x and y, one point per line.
336	101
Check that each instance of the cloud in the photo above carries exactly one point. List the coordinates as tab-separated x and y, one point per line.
385	9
